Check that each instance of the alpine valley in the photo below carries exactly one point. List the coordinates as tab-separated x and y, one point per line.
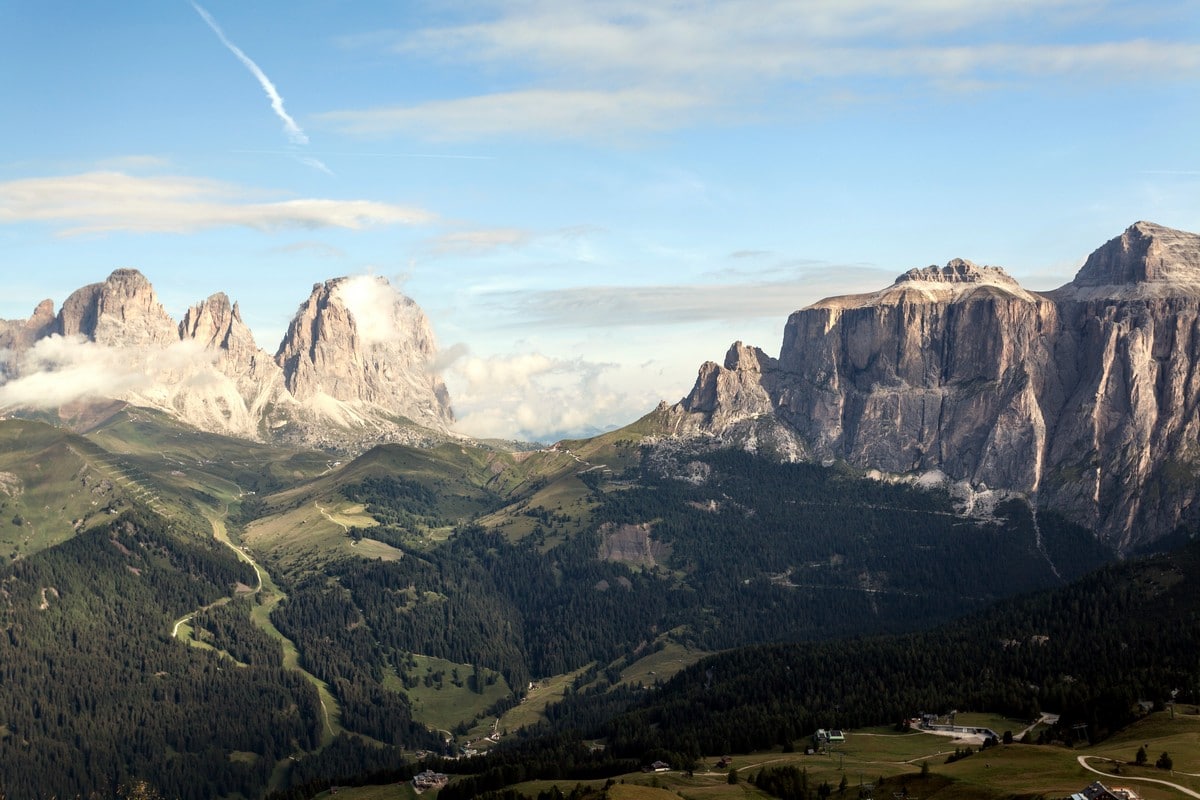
232	573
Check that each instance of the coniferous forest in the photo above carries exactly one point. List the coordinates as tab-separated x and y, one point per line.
96	693
822	593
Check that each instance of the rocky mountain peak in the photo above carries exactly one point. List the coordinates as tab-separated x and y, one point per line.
217	324
355	369
121	311
959	281
17	335
1085	399
359	340
958	270
1144	253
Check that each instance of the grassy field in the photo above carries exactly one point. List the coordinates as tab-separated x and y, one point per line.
444	708
391	791
532	709
657	666
308	536
881	754
661	665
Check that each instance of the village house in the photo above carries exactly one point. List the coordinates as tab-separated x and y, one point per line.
428	779
1098	791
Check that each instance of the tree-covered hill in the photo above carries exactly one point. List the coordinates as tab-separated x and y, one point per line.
95	691
1089	651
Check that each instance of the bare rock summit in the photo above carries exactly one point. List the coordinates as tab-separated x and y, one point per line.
356	367
1085	399
358	340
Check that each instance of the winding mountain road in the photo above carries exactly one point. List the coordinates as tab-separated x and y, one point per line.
1083	763
221	534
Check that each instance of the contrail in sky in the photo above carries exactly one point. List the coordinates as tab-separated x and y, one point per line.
295	134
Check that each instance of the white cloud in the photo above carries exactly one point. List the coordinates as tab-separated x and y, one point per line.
598	114
97	202
480	241
603	68
745	40
535	397
613	306
57	370
379	311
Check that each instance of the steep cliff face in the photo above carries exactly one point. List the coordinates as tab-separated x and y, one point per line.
238	383
123	311
357	340
20	334
356	362
1084	398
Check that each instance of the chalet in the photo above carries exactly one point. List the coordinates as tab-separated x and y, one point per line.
1098	791
428	780
657	766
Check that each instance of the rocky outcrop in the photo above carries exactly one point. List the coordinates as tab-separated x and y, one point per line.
237	385
355	368
123	311
20	334
357	340
1085	399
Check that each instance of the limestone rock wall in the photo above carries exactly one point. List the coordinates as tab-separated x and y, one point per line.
1084	399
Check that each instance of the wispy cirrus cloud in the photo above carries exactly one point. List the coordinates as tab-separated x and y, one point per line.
801	39
475	242
99	202
598	68
619	306
580	113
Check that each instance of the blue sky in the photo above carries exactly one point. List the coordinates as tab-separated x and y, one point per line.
589	198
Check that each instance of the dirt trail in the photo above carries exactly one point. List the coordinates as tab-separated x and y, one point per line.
291	655
1083	763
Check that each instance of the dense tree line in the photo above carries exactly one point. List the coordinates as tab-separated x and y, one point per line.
1089	651
758	552
95	693
228	627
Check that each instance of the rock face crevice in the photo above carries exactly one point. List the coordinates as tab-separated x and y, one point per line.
1084	398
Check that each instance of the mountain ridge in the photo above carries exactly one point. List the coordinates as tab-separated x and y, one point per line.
1082	398
341	379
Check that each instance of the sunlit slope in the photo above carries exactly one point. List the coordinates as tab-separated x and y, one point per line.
312	523
54	483
163	446
458	483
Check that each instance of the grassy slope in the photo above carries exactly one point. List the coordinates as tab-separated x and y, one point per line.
1001	772
162	445
51	483
306	525
444	708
